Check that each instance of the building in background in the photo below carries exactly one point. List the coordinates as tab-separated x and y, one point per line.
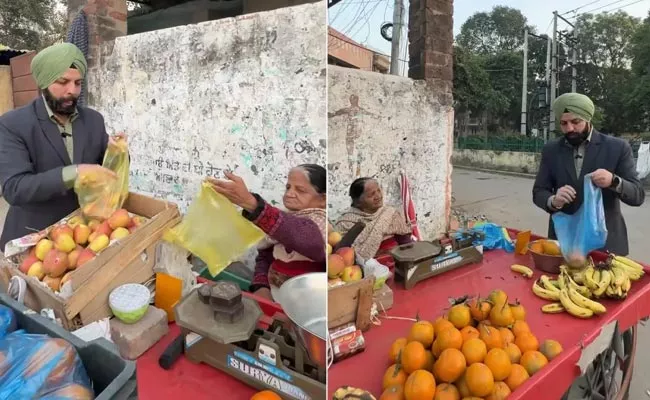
345	52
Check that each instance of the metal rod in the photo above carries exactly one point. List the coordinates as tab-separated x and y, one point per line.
524	85
563	19
574	70
549	43
398	15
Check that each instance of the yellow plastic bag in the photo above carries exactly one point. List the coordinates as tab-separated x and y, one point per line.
101	195
214	231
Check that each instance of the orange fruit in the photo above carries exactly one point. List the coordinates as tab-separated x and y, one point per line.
446	391
420	385
265	395
474	351
499	363
507	336
396	348
414	357
501	392
537	247
498	298
435	349
527	342
518	311
469	332
450	338
441	324
533	361
501	315
394	375
518	375
550	349
491	336
395	392
480	309
520	327
551	248
422	331
461	385
459	316
513	352
479	380
449	366
428	365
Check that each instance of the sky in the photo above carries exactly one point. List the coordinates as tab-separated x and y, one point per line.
361	19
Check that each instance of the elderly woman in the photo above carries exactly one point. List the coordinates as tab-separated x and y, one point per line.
385	227
296	237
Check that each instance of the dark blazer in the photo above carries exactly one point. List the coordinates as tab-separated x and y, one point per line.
557	168
32	156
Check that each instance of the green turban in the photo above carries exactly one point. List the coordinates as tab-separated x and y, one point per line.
575	103
51	63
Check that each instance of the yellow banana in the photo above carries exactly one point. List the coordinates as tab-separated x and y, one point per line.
629	262
619	276
634	274
583	290
627	284
522	269
553	308
605	280
573	308
589	278
548	284
545	293
611	292
582	301
579	277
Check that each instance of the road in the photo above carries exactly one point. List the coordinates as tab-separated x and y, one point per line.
507	200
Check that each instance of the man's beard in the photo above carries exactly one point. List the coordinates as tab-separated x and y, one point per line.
57	106
577	138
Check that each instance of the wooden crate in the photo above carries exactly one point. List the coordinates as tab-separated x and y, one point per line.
130	260
351	303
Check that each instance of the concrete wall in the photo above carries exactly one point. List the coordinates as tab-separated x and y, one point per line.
6	90
511	161
246	94
379	124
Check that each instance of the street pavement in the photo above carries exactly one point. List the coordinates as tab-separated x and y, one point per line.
507	200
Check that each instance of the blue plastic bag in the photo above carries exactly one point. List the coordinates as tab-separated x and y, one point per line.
38	366
8	322
496	237
585	231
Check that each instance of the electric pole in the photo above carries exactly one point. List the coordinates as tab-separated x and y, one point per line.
554	66
524	86
549	44
396	39
574	61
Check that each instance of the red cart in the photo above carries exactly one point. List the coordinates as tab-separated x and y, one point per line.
431	297
185	380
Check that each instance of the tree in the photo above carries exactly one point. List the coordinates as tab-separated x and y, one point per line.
32	24
499	30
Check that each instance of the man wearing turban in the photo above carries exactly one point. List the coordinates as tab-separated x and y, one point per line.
46	144
580	151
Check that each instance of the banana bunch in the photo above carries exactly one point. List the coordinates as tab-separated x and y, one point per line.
567	296
350	393
613	279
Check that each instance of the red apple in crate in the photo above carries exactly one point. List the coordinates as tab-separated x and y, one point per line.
136	221
81	233
56	263
60	230
93	224
27	263
85	256
335	265
103	228
348	255
119	219
53	283
73	257
36	270
351	274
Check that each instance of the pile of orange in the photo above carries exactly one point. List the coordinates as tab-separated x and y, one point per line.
480	349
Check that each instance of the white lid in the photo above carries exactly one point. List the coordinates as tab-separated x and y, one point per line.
129	297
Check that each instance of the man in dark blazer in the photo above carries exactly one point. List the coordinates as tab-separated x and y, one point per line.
581	151
46	144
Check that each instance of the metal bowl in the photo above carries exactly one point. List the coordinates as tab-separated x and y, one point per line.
547	263
304	301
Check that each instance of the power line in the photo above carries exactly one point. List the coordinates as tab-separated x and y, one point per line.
599	8
581	7
623	6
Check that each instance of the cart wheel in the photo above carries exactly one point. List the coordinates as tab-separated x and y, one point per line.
610	375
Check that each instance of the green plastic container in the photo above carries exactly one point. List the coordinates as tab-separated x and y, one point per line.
227	276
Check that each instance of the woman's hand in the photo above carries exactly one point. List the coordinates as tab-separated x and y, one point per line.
235	190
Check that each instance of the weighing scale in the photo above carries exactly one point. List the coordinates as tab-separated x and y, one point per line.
417	261
220	328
